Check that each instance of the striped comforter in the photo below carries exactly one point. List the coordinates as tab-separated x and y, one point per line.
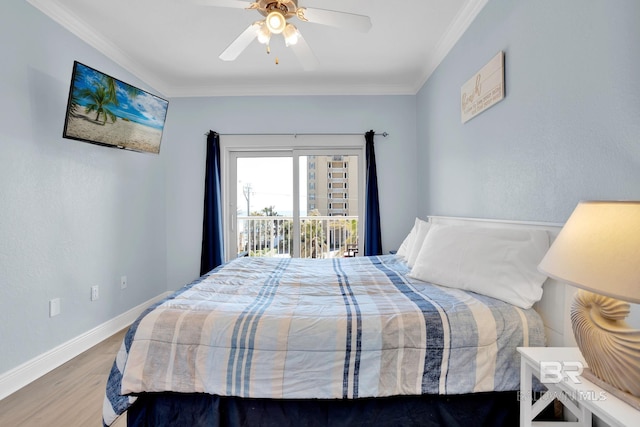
331	329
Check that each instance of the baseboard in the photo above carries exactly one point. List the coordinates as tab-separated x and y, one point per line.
13	380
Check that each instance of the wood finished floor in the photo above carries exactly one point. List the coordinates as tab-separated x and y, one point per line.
68	396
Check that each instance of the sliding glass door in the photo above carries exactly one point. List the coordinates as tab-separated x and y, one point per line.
264	204
329	205
294	203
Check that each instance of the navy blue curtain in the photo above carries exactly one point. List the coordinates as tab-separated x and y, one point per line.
372	234
212	243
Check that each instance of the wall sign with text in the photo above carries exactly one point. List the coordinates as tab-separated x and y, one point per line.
484	89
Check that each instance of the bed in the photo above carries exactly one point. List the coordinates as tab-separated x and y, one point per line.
345	341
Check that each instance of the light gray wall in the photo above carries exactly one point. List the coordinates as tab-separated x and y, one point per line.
568	129
72	214
185	146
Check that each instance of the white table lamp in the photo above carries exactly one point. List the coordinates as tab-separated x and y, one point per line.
598	251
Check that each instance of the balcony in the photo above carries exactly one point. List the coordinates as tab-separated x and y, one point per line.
320	236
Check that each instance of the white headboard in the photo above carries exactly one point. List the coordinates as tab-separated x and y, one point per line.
556	296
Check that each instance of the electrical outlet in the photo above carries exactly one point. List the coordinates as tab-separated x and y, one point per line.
54	307
95	293
123	282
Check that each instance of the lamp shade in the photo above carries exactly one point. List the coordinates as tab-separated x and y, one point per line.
598	249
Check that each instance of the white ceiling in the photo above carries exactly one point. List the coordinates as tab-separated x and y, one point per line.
173	45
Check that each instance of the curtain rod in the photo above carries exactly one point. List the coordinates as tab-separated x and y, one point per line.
383	134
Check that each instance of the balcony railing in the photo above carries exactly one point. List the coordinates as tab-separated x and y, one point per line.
320	236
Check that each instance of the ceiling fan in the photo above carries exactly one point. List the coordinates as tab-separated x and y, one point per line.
276	15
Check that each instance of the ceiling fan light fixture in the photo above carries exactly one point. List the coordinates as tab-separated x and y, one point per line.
264	35
274	16
291	35
276	22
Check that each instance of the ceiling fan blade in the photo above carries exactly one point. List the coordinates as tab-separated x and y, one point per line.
223	3
333	18
238	45
304	54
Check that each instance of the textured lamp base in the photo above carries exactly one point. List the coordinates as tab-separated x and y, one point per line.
625	397
610	347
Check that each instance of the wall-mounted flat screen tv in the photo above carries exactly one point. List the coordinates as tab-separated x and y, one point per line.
103	110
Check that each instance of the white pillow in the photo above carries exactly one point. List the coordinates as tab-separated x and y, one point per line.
423	229
500	263
403	250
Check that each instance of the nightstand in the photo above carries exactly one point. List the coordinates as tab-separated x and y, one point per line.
560	375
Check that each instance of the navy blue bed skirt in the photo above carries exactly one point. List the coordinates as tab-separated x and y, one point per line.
195	410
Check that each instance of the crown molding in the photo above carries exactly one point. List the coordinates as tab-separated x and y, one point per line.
73	24
455	31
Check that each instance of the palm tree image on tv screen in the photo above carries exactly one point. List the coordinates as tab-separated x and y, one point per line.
103	110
